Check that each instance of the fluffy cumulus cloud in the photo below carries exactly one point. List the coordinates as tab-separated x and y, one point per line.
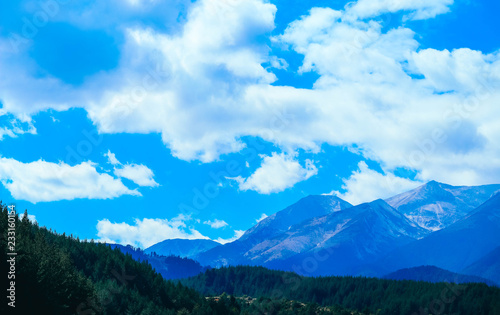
439	124
216	223
146	232
138	173
366	185
44	181
207	84
276	173
193	79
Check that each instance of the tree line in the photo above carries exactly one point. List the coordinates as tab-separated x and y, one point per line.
60	274
367	295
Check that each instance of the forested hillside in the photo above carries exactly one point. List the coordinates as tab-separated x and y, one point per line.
369	295
59	274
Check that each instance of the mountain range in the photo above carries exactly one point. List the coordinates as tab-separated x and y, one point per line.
458	245
359	235
435	205
454	228
60	274
240	251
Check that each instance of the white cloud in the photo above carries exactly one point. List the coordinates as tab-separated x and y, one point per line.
139	174
194	79
237	235
366	185
206	86
146	232
216	224
44	181
347	52
4	131
16	127
112	158
459	70
276	173
367	95
420	9
262	217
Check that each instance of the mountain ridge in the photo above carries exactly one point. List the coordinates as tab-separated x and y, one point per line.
234	253
181	247
435	205
371	239
358	235
456	246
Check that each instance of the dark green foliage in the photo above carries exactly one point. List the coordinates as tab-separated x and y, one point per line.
368	295
268	306
45	277
56	274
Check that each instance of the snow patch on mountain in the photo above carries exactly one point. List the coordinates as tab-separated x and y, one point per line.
434	206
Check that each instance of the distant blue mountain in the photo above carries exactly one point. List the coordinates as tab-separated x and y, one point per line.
351	237
306	208
455	247
434	274
434	225
340	243
181	247
170	267
240	251
435	206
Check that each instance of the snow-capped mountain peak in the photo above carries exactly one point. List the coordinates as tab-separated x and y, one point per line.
435	205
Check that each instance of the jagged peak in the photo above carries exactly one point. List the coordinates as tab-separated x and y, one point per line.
381	204
322	197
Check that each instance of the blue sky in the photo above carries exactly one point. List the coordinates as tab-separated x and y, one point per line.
136	121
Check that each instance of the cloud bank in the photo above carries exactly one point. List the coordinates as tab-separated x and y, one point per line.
43	181
146	232
276	173
209	83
